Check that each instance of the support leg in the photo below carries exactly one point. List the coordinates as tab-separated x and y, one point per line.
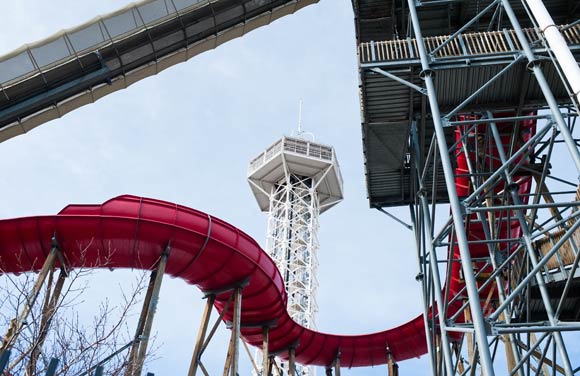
142	339
265	361
292	362
48	311
236	331
17	324
201	336
456	211
393	368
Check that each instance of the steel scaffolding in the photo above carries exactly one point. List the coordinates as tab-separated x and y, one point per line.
490	174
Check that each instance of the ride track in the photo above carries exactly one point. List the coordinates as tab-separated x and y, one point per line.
132	232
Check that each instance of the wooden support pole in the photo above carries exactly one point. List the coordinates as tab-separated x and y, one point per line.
236	324
274	365
228	363
142	340
271	363
457	350
337	364
292	361
509	351
16	325
393	368
201	336
254	365
265	360
140	326
48	311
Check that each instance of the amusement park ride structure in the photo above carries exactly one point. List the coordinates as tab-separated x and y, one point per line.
469	111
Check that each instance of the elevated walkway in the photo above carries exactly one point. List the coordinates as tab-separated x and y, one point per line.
45	80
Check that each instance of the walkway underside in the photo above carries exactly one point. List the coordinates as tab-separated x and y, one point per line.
45	80
481	70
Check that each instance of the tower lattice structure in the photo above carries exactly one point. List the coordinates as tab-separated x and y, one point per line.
294	181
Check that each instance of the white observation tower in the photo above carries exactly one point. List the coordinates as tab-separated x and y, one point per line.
294	181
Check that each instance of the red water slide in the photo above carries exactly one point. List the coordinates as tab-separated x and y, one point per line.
132	232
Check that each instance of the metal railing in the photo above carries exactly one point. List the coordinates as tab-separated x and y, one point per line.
296	146
466	44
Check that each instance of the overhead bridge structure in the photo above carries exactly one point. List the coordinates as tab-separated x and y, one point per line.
45	80
468	120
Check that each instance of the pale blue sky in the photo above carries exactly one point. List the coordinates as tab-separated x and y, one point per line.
186	136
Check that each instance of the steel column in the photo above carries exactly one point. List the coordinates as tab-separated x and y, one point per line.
558	45
478	319
531	252
541	79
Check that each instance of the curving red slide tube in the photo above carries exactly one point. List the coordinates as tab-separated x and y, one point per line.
132	232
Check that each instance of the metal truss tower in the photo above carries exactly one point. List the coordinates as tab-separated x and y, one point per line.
295	181
469	114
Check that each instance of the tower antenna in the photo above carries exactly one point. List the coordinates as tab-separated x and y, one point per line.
300	133
300	117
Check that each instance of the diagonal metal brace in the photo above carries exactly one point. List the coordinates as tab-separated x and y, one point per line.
399	80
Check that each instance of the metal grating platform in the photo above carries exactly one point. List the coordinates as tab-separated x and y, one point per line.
387	19
463	65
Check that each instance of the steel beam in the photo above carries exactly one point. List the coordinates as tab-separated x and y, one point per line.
478	319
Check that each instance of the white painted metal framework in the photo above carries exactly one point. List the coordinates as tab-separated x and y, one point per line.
292	241
294	181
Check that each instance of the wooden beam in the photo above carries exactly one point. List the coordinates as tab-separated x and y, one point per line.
151	309
17	324
266	358
292	361
236	331
201	336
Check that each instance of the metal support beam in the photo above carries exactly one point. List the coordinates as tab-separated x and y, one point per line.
52	366
526	237
143	333
558	45
541	79
4	359
456	211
